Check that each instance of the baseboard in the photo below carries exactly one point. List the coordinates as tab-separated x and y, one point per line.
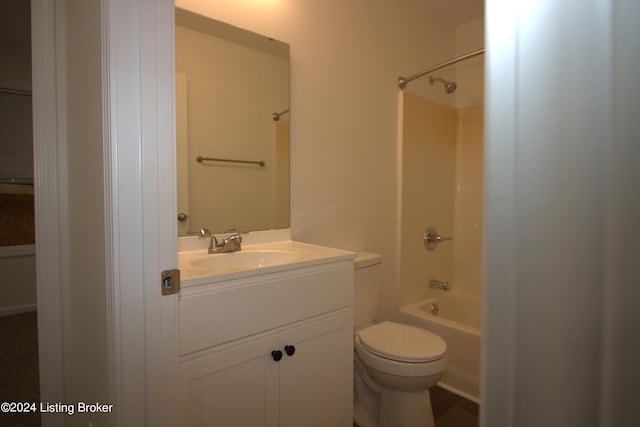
17	251
16	309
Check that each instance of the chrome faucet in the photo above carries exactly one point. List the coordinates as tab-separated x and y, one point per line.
230	244
438	284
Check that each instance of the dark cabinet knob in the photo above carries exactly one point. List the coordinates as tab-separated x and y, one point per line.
277	355
289	349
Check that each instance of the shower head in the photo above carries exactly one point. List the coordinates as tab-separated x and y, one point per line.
449	87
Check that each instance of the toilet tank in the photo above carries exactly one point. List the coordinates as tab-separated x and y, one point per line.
367	280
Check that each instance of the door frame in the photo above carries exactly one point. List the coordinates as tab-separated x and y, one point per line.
139	188
50	211
140	174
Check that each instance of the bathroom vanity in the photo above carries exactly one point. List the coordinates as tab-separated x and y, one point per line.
266	336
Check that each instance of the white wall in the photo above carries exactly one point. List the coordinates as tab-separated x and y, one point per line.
470	73
18	285
345	58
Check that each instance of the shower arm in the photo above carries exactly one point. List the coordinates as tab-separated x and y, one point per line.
402	81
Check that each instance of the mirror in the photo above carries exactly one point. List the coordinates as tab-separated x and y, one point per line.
232	127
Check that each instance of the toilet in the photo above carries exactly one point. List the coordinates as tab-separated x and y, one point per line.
394	364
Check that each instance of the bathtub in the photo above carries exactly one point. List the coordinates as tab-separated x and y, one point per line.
458	322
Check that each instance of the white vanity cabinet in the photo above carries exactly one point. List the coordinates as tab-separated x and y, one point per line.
273	349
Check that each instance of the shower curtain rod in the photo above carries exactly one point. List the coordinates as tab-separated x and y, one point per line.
402	81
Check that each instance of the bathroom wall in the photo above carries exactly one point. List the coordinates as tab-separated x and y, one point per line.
345	59
18	285
469	37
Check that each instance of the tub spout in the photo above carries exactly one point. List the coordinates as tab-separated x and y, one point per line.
438	284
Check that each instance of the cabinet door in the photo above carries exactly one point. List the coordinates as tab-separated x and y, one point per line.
316	387
237	386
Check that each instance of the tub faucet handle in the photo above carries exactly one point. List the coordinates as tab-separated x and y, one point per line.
432	238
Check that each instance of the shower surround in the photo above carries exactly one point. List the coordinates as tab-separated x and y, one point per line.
442	181
442	186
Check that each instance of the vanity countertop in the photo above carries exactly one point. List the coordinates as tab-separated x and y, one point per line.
199	267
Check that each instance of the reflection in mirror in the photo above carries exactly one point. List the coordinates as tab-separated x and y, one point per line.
232	112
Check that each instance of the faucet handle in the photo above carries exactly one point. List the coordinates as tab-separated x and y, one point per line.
235	239
432	238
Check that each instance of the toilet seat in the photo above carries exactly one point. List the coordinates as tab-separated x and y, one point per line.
402	343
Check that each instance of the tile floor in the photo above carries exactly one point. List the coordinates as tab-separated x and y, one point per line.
451	410
19	366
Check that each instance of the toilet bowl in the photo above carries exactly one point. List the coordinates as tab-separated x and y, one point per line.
395	364
404	362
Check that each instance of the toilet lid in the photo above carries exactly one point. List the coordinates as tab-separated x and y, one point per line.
402	342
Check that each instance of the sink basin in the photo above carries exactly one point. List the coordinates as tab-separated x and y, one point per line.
243	260
197	267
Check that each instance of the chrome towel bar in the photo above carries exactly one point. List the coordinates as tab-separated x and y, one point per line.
201	159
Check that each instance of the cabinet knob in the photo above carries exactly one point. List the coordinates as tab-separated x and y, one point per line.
289	349
277	355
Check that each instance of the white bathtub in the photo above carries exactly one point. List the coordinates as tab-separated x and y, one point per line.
458	323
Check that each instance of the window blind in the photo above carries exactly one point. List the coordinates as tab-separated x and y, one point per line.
16	137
